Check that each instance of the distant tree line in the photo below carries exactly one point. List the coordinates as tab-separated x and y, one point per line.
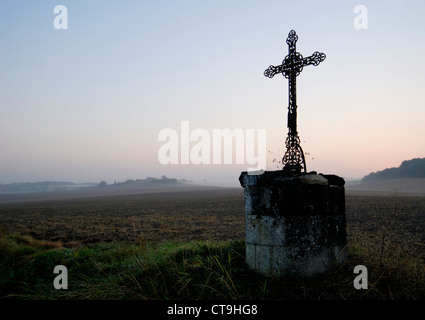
163	179
414	168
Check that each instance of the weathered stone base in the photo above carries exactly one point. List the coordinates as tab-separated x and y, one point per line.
294	224
293	245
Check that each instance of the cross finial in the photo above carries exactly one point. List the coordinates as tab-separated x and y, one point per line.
292	38
290	68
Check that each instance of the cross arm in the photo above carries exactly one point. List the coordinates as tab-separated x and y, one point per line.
272	70
314	59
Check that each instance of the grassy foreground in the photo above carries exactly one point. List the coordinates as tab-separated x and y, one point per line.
187	270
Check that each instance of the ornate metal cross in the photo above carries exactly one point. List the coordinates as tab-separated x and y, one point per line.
290	68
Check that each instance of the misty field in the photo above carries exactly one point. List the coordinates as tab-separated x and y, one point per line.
189	245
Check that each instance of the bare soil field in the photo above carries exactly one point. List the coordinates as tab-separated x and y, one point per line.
215	214
408	187
203	214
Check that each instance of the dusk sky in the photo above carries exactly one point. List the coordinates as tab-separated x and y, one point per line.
87	103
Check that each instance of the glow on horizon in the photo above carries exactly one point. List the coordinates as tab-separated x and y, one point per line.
86	104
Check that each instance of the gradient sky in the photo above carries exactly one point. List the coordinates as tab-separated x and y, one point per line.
86	104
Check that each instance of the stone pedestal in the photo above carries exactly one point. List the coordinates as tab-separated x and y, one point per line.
294	223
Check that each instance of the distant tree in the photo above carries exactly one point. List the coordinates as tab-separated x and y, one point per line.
102	184
414	168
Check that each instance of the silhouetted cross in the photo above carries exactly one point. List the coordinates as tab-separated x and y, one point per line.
290	68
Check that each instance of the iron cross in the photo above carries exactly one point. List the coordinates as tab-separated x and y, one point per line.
290	68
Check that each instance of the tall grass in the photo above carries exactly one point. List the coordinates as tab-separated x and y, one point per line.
190	270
